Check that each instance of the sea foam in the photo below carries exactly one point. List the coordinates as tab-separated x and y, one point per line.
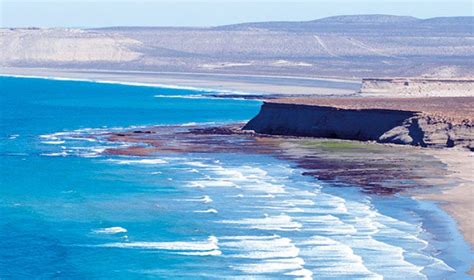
207	247
111	230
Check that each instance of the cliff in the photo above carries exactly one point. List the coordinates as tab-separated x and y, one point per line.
381	125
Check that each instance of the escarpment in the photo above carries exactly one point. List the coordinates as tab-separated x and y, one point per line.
368	124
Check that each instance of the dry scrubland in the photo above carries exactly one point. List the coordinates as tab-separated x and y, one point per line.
346	46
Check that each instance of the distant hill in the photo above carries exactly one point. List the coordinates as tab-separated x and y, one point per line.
365	24
340	46
344	23
366	19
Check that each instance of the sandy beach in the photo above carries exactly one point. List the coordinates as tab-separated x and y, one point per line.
250	84
457	201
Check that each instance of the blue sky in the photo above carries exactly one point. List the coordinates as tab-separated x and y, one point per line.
87	13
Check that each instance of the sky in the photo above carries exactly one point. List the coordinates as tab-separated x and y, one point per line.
100	13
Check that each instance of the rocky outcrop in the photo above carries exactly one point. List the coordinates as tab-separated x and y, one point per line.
381	125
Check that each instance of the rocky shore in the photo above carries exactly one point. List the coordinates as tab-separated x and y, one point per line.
377	169
427	122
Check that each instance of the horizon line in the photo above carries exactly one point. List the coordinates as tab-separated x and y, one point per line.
231	24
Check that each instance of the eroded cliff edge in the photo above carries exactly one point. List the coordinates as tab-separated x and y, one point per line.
375	122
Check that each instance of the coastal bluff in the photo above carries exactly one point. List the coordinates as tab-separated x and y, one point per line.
426	122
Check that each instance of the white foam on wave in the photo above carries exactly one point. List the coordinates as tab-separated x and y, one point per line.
440	265
206	199
58	154
189	124
281	209
252	178
93	152
267	254
334	259
68	135
266	187
210	210
331	204
86	139
57	142
251	237
53	136
305	193
272	266
302	274
364	234
268	195
111	230
13	136
234	175
414	229
300	202
383	258
201	253
242	172
262	248
207	247
197	164
212	183
281	222
327	224
138	161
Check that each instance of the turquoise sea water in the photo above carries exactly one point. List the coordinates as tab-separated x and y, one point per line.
66	212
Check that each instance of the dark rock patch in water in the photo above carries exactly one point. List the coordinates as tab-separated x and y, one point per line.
376	168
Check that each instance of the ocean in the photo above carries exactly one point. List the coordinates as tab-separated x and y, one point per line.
67	211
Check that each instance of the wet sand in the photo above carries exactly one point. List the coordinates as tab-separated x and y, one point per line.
458	200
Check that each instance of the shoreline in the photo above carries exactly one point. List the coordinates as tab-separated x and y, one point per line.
265	86
456	200
155	85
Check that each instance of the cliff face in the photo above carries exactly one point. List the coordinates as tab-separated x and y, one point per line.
384	126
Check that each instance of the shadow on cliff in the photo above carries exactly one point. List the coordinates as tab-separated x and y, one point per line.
385	126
